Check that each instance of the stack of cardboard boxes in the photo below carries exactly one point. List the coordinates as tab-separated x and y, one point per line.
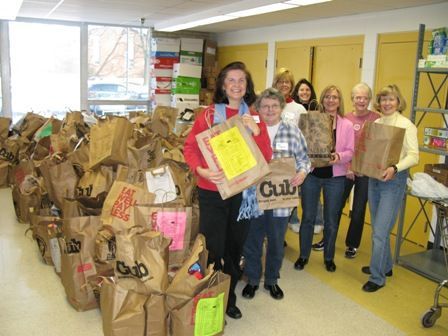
187	75
184	72
164	54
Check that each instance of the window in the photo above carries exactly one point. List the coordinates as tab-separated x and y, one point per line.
117	69
45	68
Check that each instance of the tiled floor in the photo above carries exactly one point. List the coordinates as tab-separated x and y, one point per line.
316	302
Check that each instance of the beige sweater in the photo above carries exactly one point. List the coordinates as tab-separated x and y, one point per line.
409	153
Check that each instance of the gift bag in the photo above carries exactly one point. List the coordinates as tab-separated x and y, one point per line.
275	191
230	147
379	147
108	142
317	128
77	260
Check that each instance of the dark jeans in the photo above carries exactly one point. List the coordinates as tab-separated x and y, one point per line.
274	229
224	236
358	213
332	189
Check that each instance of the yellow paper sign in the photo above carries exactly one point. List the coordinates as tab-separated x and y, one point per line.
209	316
232	152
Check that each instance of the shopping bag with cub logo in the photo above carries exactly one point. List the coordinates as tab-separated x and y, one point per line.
274	191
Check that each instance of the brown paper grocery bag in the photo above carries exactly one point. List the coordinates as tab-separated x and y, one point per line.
77	260
29	125
25	203
173	222
317	128
142	257
275	191
144	152
241	159
164	115
5	123
42	224
95	182
4	174
9	150
118	209
379	147
108	142
122	310
195	318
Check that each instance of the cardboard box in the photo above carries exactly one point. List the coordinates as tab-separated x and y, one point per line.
162	99
161	72
165	44
185	101
191	57
187	70
191	44
161	85
186	85
163	62
210	52
438	171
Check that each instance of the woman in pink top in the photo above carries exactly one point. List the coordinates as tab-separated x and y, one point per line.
330	179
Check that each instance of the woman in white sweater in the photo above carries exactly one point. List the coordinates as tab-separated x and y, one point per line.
386	194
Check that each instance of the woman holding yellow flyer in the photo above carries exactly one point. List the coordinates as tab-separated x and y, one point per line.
287	141
225	236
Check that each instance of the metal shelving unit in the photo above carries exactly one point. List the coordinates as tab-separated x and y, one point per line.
431	263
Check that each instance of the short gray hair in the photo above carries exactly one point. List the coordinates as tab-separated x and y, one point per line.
270	93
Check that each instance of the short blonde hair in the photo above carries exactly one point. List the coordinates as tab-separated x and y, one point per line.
362	86
283	73
340	110
390	90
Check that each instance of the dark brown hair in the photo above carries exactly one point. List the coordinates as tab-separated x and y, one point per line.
220	96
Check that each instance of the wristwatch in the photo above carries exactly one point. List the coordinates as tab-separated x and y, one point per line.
395	169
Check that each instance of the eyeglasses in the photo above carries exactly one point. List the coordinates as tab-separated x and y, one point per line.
331	97
283	82
269	107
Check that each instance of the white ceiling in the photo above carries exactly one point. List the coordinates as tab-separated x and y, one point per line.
130	12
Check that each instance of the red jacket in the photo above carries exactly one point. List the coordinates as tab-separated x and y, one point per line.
193	155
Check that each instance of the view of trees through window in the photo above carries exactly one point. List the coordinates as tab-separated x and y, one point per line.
118	68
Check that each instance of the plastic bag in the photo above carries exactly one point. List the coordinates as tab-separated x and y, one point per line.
423	185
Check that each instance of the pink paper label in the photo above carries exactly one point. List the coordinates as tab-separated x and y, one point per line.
172	224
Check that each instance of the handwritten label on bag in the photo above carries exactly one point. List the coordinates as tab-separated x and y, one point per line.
172	224
232	152
160	182
209	316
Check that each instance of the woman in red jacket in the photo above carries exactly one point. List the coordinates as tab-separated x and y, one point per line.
225	236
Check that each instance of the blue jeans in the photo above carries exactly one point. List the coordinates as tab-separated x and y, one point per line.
274	228
332	189
385	199
294	218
